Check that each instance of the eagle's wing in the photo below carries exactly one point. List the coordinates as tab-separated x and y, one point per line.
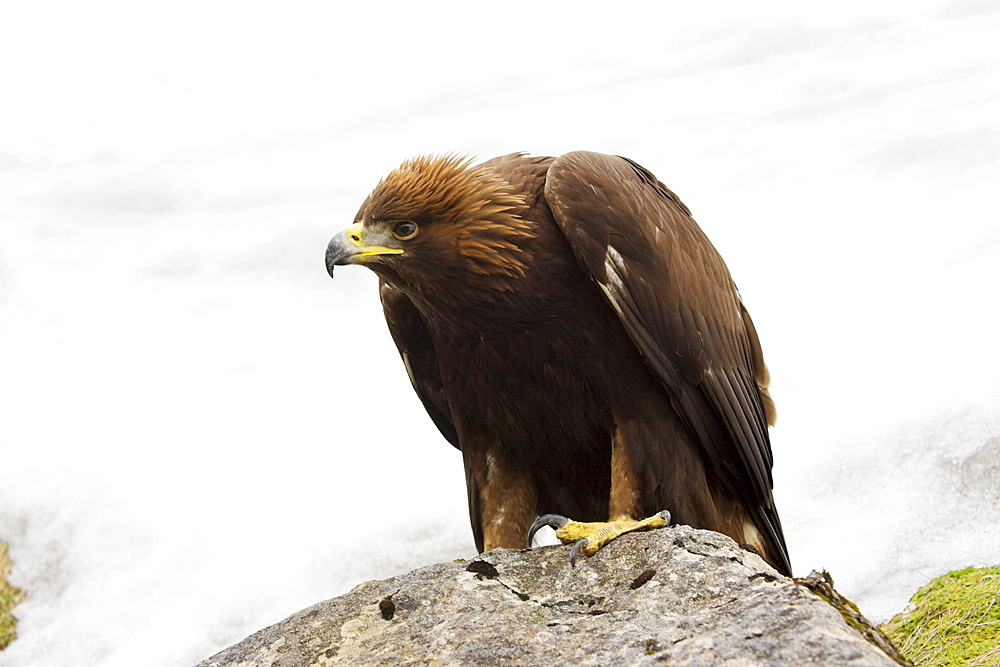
675	297
413	340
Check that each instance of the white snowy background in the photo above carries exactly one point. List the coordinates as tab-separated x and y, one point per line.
201	433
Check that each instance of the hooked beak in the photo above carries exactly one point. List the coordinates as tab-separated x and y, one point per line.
348	247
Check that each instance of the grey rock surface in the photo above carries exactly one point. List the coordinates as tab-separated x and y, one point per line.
676	596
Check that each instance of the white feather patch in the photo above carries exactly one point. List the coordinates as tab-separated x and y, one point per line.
614	266
409	371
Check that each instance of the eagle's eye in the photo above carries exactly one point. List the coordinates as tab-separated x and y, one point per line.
404	230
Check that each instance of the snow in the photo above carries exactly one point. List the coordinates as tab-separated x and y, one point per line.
202	433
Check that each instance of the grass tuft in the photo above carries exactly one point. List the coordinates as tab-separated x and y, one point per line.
9	597
954	621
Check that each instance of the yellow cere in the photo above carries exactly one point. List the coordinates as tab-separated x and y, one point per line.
355	235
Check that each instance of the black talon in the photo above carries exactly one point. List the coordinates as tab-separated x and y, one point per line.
579	544
551	520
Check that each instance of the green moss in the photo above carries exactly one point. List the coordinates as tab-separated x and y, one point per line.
9	597
955	621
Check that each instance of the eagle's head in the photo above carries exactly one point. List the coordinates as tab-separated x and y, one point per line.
435	222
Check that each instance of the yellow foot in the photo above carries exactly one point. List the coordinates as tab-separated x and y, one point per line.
589	537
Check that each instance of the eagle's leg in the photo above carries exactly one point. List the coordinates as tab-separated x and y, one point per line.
504	494
625	501
588	538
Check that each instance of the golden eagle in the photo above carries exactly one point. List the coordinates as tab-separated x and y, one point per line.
570	328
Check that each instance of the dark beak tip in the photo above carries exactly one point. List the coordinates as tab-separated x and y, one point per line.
334	253
329	264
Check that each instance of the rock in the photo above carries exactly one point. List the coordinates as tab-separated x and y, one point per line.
821	584
675	596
